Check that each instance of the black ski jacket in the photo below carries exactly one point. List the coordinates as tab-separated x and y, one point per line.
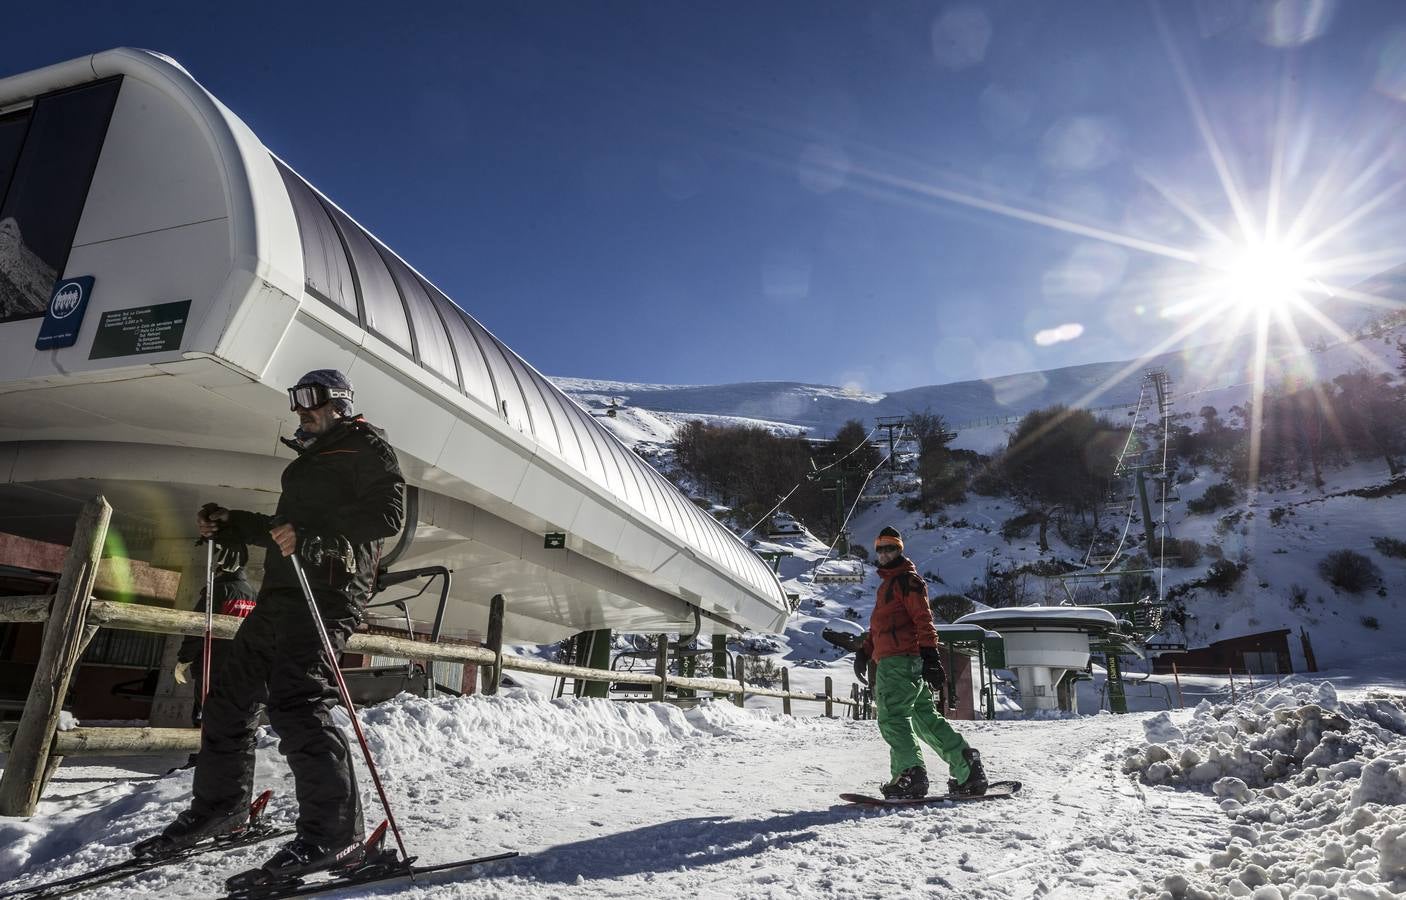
344	495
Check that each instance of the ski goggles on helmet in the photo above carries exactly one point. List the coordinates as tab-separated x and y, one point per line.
313	396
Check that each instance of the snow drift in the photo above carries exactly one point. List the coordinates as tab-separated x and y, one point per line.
1315	788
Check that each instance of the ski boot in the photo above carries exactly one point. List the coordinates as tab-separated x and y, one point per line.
975	785
189	829
298	858
911	784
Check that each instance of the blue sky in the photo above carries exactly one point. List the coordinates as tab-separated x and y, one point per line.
845	193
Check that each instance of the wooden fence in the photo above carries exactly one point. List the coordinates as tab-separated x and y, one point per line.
71	617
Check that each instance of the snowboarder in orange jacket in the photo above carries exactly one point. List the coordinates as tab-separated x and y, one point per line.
903	642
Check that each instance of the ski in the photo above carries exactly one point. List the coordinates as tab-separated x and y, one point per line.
256	832
378	874
376	865
996	790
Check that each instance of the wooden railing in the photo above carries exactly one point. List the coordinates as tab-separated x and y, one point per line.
36	746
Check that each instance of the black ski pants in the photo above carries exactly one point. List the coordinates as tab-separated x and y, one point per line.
276	660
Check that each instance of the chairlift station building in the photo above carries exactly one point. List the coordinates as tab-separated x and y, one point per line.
194	276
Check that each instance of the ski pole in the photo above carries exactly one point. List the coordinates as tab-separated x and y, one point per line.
346	698
209	623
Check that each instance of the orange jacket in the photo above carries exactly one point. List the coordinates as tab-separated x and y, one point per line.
902	619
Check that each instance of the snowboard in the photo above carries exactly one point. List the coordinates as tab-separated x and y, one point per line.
996	790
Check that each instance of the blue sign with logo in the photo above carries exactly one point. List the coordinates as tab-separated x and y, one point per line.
65	313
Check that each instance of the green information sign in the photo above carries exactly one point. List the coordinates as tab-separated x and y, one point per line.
141	329
555	540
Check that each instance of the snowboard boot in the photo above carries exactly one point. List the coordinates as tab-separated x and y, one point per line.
298	858
911	784
189	829
975	785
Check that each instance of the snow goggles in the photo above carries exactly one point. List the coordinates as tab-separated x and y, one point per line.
312	396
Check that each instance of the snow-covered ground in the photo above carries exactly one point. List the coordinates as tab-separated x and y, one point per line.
644	801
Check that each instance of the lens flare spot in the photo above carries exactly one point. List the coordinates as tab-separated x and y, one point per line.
960	37
1293	23
1069	331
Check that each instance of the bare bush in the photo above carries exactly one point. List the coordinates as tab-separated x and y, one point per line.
1349	571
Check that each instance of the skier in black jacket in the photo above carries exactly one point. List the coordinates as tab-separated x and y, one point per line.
342	497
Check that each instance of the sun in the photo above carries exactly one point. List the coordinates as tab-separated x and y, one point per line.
1265	278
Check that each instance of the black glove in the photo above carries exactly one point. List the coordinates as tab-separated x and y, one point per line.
934	674
861	667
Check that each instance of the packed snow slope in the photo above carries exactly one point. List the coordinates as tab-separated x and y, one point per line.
1224	368
1300	790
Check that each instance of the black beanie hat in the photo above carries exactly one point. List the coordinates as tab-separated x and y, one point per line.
889	535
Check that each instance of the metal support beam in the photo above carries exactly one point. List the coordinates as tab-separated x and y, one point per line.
1117	698
661	667
1148	524
493	674
593	652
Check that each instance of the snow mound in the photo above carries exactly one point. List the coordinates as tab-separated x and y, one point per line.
497	733
1315	788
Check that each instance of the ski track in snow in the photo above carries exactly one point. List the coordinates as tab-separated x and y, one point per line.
646	801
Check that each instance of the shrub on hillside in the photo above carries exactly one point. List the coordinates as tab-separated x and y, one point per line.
1389	546
1019	526
1216	497
1184	553
990	481
1349	570
951	607
1223	575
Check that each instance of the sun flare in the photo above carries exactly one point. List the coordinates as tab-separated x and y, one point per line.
1265	278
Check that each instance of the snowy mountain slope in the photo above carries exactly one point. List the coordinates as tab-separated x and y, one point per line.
1218	374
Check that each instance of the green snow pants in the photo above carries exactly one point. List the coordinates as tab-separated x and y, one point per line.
906	707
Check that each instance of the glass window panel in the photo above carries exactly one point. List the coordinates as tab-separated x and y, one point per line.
478	383
12	129
511	406
430	338
47	191
380	301
327	274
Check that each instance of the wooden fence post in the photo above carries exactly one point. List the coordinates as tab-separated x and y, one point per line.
493	674
64	639
661	667
854	695
786	686
1181	702
829	697
741	666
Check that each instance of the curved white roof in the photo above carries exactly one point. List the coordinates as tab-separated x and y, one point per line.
1014	618
187	202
